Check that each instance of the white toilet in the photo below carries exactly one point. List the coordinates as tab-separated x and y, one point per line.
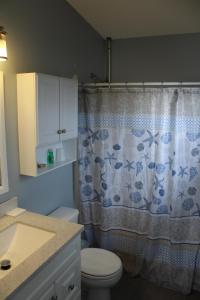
100	269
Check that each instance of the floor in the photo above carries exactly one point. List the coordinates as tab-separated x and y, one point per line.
130	288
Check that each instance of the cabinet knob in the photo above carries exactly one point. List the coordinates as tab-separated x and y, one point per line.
63	130
71	287
59	131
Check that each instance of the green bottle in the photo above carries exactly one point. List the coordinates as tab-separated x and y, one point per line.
50	157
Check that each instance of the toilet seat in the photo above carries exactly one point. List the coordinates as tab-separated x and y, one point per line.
99	264
105	277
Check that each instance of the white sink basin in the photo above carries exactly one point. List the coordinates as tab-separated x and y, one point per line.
19	241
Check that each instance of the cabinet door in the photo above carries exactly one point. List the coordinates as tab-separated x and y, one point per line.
68	108
48	109
49	294
67	285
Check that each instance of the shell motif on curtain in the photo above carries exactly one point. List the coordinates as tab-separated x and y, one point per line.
139	170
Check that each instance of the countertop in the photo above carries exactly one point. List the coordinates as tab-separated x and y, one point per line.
64	233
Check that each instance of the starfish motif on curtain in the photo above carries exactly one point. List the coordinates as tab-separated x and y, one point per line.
151	139
110	157
182	171
129	165
157	183
181	195
94	135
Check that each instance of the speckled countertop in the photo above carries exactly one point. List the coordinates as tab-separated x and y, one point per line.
64	232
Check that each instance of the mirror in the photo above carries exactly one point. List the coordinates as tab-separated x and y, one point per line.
3	156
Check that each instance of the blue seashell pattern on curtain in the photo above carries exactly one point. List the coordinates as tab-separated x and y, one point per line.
139	169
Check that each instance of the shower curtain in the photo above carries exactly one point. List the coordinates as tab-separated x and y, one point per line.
139	171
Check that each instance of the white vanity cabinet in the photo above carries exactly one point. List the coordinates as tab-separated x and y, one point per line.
47	118
58	279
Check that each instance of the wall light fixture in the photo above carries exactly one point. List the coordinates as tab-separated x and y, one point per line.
3	49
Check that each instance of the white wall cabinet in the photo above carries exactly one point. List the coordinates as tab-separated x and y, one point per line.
47	118
69	120
48	108
58	279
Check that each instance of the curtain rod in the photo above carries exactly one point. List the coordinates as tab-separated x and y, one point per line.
139	84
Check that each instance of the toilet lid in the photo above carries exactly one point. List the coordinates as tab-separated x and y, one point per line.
99	262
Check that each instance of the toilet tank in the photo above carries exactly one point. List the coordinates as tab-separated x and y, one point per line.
66	213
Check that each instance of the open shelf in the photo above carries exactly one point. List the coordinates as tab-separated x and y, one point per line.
68	148
56	165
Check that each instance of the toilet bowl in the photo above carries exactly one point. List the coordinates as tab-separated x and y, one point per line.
100	269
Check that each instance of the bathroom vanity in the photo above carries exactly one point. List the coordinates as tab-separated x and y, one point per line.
52	271
58	279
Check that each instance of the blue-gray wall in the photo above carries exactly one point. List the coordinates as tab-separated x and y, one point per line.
45	36
164	58
48	36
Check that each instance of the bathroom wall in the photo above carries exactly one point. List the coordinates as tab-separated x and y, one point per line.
45	36
163	58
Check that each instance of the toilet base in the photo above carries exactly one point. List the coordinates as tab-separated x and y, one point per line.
99	294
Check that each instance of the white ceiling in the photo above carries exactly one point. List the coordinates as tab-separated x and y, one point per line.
137	18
